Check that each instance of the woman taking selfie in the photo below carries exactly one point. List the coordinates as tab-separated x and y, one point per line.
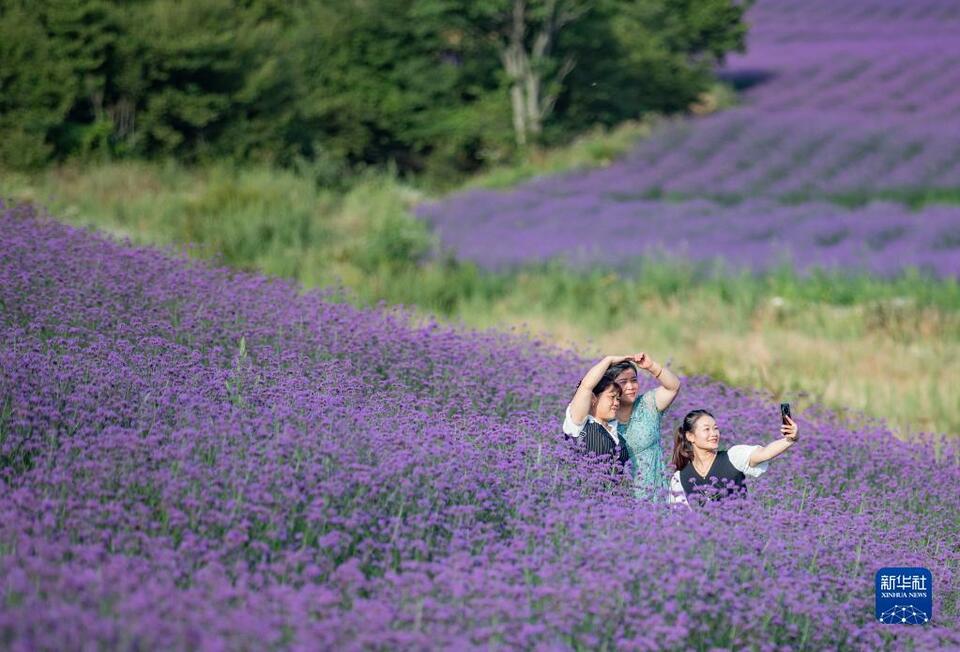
706	473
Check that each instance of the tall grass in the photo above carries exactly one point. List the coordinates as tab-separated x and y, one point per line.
888	347
596	148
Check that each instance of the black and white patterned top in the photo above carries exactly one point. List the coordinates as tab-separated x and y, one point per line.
596	437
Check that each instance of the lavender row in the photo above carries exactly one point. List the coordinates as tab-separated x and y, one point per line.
194	458
915	77
859	96
513	229
825	14
872	59
823	114
751	153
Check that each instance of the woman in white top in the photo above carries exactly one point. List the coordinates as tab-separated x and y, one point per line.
591	416
707	473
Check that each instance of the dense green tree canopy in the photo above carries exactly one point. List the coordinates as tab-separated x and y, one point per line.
420	84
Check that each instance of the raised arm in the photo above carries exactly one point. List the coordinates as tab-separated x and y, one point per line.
790	433
669	383
580	404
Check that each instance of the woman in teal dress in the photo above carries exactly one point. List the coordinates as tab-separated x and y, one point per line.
638	422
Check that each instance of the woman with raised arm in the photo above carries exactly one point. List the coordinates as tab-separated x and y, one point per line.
706	473
591	416
639	421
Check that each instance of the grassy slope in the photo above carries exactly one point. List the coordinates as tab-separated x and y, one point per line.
891	349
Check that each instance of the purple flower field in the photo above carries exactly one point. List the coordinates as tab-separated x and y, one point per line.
856	102
881	238
196	458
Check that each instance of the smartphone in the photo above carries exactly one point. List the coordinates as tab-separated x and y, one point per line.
784	413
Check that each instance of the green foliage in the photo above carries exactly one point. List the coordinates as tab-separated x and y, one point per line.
190	74
332	86
37	88
647	56
152	78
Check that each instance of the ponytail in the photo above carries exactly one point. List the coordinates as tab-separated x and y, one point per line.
682	448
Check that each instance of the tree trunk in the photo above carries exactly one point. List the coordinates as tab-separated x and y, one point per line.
531	84
519	114
517	64
528	102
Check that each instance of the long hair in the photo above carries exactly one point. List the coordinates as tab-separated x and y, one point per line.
683	449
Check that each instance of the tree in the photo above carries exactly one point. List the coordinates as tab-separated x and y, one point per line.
442	86
526	49
642	56
523	35
37	89
623	44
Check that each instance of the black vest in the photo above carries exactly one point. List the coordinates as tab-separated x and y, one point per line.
596	439
722	479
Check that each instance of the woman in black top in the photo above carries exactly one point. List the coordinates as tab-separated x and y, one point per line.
708	473
591	416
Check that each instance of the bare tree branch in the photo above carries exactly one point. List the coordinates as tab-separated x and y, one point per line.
551	98
526	67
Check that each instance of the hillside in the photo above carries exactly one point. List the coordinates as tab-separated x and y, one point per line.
193	457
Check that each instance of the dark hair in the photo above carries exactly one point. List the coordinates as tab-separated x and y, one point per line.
617	369
683	449
606	381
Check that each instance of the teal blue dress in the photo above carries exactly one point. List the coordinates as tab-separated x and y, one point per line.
641	435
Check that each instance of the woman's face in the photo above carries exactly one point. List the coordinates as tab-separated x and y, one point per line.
627	379
605	406
706	434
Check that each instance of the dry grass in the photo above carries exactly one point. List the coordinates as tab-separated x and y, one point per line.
910	381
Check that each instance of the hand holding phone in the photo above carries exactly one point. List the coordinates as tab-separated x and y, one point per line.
784	413
788	426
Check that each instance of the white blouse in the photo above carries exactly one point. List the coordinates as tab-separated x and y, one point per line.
574	430
740	458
